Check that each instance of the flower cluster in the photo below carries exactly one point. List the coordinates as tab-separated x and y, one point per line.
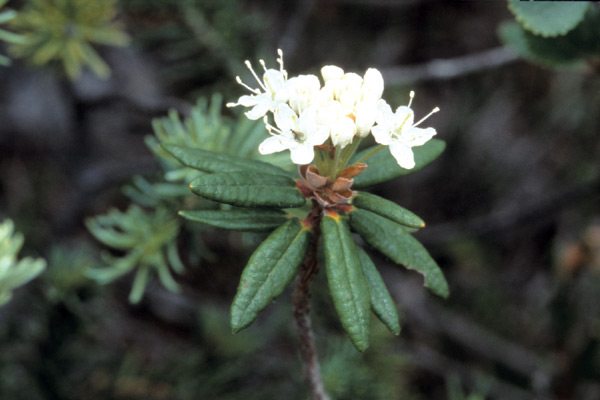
344	109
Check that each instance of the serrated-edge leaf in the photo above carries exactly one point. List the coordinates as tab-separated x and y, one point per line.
249	189
382	304
391	240
571	51
268	272
245	220
209	161
382	166
549	18
347	283
388	209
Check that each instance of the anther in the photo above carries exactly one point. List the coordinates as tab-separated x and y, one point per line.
262	62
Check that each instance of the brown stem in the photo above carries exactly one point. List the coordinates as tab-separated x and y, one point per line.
301	302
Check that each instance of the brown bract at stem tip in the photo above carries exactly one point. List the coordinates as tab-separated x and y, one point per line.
353	170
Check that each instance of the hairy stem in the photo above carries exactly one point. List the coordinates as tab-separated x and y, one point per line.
301	302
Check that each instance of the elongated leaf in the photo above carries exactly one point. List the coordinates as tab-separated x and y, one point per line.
388	209
382	166
249	189
548	18
347	282
390	239
270	269
209	161
251	220
381	301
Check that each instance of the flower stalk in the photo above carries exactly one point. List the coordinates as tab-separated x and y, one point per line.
301	304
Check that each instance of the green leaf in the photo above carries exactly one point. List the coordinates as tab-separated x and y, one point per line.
572	50
548	18
249	189
390	239
382	166
209	161
251	220
270	269
382	303
347	282
388	209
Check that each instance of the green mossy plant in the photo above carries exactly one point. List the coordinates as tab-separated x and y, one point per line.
14	272
65	31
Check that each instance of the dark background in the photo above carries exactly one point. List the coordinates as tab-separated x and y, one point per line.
511	208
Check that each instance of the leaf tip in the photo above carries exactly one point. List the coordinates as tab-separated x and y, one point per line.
362	346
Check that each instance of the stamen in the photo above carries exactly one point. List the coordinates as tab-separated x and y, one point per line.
280	60
403	122
427	116
412	95
249	65
239	80
271	128
229	105
262	62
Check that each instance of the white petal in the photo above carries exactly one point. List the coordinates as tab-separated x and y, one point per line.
417	136
330	72
381	134
318	136
373	84
303	154
308	120
248	100
258	111
342	132
273	144
365	117
274	80
285	118
404	117
403	154
384	114
349	98
353	80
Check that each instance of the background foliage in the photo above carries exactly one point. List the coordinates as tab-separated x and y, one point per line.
511	207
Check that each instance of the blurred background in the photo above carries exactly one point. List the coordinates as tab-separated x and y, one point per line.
512	205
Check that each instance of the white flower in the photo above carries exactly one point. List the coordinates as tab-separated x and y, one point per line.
303	91
357	95
298	134
340	126
272	91
398	130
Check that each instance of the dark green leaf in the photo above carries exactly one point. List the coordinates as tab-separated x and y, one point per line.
390	239
249	189
381	302
347	282
252	220
548	18
382	166
209	161
269	271
388	209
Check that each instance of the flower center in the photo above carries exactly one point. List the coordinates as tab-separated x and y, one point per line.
298	136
